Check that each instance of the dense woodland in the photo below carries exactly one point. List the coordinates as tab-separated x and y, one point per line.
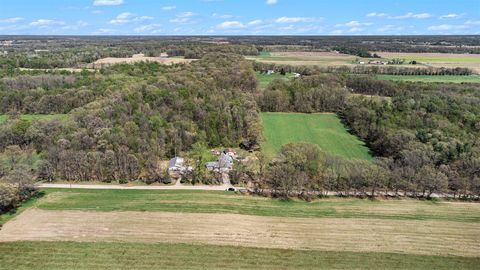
117	124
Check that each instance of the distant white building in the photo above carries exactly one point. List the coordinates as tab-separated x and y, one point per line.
224	162
270	72
177	164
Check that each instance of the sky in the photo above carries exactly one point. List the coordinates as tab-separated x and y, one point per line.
239	17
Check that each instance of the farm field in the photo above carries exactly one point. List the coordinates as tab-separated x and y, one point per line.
118	229
305	58
322	129
426	78
264	79
89	255
34	117
129	60
438	60
432	57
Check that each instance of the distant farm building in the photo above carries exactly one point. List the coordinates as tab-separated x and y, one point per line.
224	162
176	165
376	62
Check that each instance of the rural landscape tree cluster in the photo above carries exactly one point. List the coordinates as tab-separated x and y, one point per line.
118	123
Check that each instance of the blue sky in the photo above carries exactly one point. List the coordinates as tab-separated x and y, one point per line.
239	17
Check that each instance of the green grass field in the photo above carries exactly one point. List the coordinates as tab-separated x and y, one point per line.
74	255
165	255
324	130
191	201
442	59
34	117
426	78
264	80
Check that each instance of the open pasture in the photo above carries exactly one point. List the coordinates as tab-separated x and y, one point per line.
264	79
306	58
322	129
181	229
102	255
129	60
432	57
427	78
445	238
438	60
191	201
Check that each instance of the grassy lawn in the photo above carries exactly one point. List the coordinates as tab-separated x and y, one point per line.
71	255
230	203
324	130
34	117
426	78
264	79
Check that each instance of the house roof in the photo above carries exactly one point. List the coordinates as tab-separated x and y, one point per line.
176	161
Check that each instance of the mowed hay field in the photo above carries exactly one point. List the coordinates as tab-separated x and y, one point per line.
129	60
427	78
305	58
447	60
141	229
322	129
98	255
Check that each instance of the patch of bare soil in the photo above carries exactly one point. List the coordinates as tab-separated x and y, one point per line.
374	235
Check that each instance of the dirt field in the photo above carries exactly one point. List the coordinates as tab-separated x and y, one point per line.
372	235
128	60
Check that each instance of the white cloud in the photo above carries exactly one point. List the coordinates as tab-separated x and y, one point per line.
127	17
390	28
102	31
450	16
151	28
336	32
222	16
353	24
411	15
11	20
183	18
45	23
446	27
180	20
76	26
376	14
169	8
122	18
271	2
255	22
107	2
231	25
472	22
356	29
185	14
294	19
